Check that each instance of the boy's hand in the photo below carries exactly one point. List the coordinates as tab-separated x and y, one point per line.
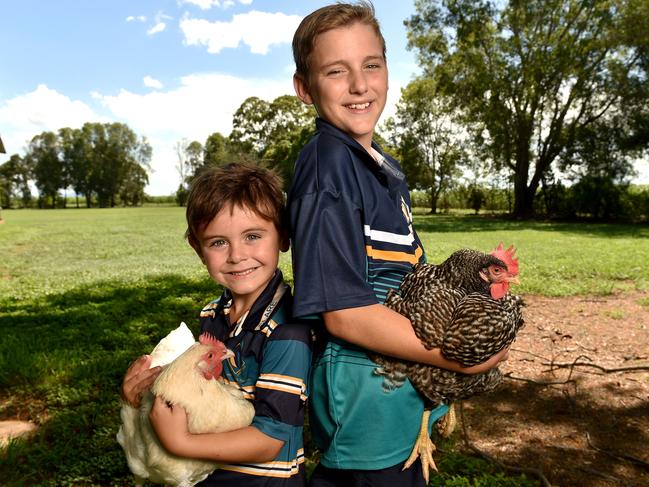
493	361
139	377
170	424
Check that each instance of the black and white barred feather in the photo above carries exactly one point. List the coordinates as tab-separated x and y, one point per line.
450	307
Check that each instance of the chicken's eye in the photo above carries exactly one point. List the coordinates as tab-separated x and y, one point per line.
210	355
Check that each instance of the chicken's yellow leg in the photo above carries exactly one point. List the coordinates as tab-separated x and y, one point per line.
423	448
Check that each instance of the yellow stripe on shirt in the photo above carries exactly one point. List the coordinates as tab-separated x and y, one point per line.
394	255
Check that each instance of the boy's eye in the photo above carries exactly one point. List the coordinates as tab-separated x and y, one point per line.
253	236
334	72
218	243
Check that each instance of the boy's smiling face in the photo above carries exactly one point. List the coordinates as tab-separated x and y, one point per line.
347	80
240	250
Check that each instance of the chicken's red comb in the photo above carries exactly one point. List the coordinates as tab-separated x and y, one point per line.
207	338
508	257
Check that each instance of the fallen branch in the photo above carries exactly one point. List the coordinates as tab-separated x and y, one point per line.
603	475
509	375
572	365
618	456
465	436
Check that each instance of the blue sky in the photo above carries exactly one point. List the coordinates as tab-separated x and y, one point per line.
170	69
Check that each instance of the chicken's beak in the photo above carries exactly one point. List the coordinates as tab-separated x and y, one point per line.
228	354
514	280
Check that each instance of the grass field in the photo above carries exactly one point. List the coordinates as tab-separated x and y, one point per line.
83	292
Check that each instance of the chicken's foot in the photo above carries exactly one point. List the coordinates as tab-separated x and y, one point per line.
423	448
447	423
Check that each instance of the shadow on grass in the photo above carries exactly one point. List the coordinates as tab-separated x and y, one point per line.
562	417
482	223
62	360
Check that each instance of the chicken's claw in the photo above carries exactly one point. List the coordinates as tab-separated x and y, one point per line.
446	424
423	449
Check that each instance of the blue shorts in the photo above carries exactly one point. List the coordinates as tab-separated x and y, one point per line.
385	477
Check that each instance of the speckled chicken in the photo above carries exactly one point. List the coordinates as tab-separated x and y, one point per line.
463	307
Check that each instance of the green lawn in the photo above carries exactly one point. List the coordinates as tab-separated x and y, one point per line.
83	292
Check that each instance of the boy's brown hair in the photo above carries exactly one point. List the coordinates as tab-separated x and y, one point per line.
237	184
325	19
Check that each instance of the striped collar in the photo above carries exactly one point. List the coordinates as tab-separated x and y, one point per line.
263	308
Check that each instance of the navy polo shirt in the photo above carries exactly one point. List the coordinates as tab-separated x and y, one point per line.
352	241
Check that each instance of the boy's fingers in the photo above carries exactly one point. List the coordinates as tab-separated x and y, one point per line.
138	378
141	363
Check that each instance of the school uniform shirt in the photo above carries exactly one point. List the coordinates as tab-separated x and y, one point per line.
353	241
271	367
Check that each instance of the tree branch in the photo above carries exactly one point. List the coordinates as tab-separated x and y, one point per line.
622	456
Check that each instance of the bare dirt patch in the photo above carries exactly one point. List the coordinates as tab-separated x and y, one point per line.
591	428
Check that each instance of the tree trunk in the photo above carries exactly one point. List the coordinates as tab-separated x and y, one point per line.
523	197
433	202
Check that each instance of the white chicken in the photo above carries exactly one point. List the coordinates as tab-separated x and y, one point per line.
188	379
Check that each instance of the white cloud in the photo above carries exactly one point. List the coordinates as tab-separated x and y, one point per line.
258	30
203	4
208	4
160	24
43	109
150	82
201	105
159	27
133	18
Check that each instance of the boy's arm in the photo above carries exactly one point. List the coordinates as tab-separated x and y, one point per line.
247	444
380	329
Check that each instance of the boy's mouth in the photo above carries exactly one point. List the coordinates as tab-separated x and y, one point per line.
242	273
358	106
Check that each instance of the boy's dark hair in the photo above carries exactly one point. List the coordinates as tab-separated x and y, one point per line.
245	185
325	19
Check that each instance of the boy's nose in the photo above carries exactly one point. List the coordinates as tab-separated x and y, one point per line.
357	83
237	253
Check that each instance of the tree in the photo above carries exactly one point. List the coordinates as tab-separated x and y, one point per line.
291	125
428	138
43	155
271	131
115	154
217	150
190	160
15	175
75	152
531	75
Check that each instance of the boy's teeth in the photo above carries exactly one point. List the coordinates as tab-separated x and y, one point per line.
241	273
359	106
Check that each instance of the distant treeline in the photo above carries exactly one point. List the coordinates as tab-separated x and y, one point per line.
105	163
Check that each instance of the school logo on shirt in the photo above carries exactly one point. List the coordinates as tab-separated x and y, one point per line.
407	214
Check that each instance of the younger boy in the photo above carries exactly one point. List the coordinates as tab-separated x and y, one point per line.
234	220
353	240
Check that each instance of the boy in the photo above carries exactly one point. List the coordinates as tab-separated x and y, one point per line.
353	240
235	225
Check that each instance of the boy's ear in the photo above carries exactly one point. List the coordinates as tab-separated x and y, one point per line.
302	89
196	246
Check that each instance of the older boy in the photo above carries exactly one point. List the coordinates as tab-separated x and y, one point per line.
353	240
235	225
